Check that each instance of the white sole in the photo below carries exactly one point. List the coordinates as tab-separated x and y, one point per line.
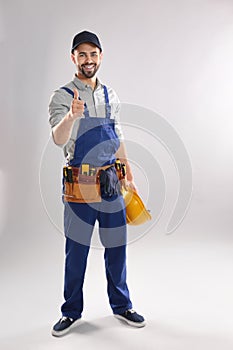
61	333
131	323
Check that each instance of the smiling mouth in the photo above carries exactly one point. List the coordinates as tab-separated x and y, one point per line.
89	67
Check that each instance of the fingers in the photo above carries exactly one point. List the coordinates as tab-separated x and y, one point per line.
132	186
123	184
76	94
77	106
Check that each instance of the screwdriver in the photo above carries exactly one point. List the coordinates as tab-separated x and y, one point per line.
118	164
65	173
69	174
123	169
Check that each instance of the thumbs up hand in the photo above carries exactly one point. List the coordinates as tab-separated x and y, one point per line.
77	106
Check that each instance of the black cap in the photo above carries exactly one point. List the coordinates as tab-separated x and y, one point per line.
85	37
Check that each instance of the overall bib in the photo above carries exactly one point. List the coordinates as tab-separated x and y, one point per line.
96	144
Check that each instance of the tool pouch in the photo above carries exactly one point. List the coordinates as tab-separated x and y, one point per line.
82	189
109	182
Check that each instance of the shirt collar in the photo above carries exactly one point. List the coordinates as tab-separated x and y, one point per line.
81	86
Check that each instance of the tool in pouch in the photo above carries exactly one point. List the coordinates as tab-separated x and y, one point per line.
120	169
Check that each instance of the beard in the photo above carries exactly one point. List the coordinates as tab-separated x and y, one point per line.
89	73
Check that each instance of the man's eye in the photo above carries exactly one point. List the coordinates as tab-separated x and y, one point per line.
81	55
94	54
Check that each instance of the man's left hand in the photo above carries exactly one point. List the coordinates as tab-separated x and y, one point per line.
128	184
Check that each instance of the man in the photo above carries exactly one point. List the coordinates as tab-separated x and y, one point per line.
84	116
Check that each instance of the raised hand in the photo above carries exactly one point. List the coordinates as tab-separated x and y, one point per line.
77	106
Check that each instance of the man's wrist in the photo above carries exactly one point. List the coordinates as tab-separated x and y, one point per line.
69	118
129	177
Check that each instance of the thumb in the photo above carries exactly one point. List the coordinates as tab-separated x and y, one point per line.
76	94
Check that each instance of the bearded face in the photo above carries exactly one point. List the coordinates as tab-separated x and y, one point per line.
87	59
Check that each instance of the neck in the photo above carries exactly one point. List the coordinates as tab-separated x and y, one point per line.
88	81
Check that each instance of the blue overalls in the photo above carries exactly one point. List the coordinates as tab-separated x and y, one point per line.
96	144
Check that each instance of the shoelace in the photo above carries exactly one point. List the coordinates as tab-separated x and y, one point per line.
131	311
64	318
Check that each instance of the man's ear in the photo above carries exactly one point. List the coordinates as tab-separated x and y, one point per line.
72	58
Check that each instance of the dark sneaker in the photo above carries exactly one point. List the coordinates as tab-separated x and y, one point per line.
64	325
132	318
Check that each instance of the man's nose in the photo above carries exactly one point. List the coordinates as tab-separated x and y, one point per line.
89	59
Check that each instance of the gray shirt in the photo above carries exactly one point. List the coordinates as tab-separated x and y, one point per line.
60	102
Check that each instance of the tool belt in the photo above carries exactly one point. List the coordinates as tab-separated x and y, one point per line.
89	184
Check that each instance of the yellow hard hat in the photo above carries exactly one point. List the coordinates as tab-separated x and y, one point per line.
136	213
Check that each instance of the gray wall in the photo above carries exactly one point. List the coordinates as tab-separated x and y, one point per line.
171	57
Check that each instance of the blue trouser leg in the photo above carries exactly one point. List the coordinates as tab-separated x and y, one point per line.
118	292
75	267
113	237
79	220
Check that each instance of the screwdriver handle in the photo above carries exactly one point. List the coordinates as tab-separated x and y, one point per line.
69	174
123	169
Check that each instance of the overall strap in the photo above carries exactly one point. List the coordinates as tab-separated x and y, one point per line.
68	90
107	104
86	111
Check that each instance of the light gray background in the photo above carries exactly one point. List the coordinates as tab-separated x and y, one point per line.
174	58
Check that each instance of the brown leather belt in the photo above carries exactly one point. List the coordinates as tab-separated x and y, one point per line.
79	177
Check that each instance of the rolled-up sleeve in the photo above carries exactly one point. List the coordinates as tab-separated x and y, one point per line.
116	110
118	127
58	107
